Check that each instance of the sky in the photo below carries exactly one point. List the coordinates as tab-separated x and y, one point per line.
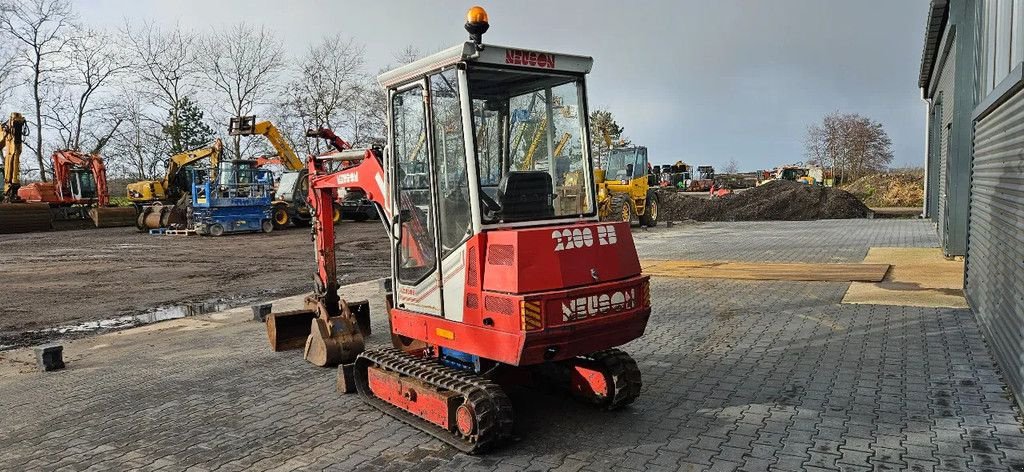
695	80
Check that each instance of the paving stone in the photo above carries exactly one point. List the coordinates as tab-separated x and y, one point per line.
757	376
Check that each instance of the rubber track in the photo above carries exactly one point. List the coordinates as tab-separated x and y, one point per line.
493	408
625	375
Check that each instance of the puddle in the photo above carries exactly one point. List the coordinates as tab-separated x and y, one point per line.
164	313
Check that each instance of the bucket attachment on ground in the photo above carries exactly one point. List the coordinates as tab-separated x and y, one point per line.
326	340
288	330
110	217
25	217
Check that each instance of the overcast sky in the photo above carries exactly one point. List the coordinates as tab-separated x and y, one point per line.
698	80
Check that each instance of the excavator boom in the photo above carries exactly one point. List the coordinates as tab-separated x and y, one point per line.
16	216
12	133
146	191
247	126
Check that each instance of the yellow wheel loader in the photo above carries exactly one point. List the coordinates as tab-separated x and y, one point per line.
624	188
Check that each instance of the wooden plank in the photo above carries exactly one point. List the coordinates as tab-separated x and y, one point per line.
766	271
919	277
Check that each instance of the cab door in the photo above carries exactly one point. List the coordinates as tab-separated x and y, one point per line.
415	269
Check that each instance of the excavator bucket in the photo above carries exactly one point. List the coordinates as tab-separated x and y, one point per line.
289	330
325	340
25	217
109	217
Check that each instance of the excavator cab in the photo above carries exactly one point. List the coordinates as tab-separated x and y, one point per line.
82	184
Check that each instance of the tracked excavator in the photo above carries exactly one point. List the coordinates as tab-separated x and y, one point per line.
492	283
78	190
16	215
289	206
162	203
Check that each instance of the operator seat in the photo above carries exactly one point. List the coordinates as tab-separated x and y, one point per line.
525	195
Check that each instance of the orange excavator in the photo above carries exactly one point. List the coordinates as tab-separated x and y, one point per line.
78	189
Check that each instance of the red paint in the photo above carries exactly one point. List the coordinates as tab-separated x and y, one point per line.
414	396
560	257
482	341
506	342
589	383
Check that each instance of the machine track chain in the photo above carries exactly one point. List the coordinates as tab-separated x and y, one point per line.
623	373
491	407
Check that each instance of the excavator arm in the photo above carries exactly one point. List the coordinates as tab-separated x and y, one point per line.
330	329
246	126
179	161
361	170
12	133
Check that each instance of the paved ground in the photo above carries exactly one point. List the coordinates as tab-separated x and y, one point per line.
737	375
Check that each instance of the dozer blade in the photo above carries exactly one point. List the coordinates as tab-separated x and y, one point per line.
288	330
24	217
110	217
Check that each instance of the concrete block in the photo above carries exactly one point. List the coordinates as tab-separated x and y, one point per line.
49	357
346	379
261	311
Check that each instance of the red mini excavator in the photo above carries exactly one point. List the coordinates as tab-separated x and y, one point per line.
79	186
500	266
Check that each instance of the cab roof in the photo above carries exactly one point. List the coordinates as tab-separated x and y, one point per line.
491	54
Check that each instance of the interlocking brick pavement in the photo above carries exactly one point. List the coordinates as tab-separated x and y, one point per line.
738	375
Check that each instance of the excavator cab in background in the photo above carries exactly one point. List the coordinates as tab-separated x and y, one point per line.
501	269
625	190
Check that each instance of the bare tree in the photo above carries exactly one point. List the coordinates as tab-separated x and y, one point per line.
408	54
241	64
325	87
95	60
168	69
849	144
138	146
731	167
40	27
8	75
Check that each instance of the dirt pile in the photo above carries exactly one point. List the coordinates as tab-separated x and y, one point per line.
776	200
890	189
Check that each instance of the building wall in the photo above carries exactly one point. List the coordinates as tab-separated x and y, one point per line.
944	104
995	251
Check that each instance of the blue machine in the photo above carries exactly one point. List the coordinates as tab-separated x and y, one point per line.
237	200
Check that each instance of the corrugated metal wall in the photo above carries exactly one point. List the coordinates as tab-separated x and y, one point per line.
934	153
945	94
995	250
